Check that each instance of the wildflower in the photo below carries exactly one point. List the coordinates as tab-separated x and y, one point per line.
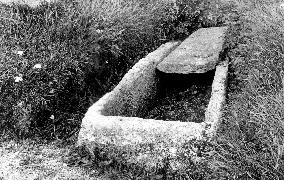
20	104
37	66
282	5
99	31
18	78
51	91
173	151
51	117
20	53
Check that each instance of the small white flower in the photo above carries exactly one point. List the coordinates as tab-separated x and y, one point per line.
20	104
18	78
173	151
52	117
51	91
282	5
99	31
37	66
20	53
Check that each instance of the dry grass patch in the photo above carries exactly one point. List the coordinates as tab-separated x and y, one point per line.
29	160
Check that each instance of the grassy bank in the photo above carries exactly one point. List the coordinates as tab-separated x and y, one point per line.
250	140
59	58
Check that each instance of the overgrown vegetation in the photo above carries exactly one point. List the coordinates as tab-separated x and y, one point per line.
250	141
75	51
58	58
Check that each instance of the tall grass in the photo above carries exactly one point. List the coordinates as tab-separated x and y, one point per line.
84	48
80	47
250	140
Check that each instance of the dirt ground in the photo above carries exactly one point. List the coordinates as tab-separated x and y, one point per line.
28	160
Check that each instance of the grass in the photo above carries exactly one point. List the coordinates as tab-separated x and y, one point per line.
32	160
83	48
83	57
76	52
250	140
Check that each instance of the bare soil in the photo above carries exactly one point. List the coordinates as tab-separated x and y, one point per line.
28	160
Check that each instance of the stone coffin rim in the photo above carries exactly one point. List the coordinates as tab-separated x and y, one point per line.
96	118
100	129
211	117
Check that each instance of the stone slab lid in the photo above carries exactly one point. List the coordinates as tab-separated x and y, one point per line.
198	53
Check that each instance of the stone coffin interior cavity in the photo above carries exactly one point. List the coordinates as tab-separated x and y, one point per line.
171	97
182	97
175	87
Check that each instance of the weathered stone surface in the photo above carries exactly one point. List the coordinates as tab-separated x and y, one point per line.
138	88
199	53
106	126
110	128
218	96
147	141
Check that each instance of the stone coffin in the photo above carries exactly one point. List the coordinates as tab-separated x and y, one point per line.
111	129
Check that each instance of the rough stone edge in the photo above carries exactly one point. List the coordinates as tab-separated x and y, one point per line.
121	131
133	89
117	134
213	112
95	115
95	119
190	68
